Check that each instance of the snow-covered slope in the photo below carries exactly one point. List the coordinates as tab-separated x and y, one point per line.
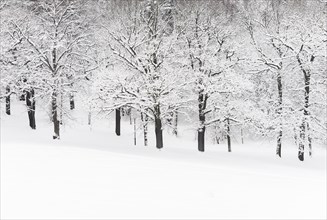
91	173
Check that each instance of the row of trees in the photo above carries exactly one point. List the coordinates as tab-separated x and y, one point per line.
259	65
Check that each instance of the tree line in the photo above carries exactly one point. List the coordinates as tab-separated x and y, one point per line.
257	65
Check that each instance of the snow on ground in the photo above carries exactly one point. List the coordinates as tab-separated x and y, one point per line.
93	174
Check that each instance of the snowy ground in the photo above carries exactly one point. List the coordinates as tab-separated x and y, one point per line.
92	174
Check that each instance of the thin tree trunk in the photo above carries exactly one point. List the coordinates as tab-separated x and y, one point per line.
30	102
144	119
306	108
279	113
118	117
301	142
295	137
134	131
175	131
56	124
309	140
89	118
228	136
8	100
158	128
279	143
71	101
61	108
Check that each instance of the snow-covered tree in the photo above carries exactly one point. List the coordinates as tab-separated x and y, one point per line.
146	79
210	57
273	58
56	44
308	53
288	39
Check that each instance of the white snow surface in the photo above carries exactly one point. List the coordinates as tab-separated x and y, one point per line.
93	174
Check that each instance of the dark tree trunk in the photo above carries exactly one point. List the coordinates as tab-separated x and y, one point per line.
144	119
175	132
118	117
71	101
279	113
279	143
306	113
202	99
301	142
228	136
56	123
201	132
8	100
30	102
306	107
158	127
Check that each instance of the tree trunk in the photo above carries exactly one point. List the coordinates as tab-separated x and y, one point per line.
158	127
61	109
71	101
30	103
202	99
279	114
134	131
306	112
201	136
301	142
118	117
56	123
295	137
306	107
8	100
279	143
175	132
228	136
309	140
144	119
